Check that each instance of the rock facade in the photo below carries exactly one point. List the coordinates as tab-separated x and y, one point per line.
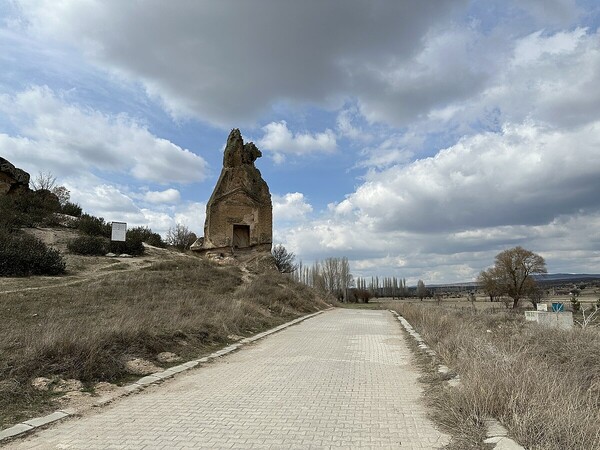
12	180
239	214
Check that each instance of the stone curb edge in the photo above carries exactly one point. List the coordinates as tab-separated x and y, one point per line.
155	378
496	433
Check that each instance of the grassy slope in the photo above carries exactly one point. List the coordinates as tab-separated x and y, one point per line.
84	331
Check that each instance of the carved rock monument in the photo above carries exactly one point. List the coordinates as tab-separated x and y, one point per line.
239	214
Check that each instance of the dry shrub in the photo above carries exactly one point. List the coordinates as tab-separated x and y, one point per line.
542	383
86	331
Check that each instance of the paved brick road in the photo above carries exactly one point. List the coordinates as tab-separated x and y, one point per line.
342	379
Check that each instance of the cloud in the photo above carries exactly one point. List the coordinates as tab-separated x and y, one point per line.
229	62
569	244
393	150
523	175
281	141
167	196
192	216
290	207
66	139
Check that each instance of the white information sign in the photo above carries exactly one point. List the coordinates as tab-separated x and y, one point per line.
119	231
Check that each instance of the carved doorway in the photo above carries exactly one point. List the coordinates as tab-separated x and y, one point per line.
241	236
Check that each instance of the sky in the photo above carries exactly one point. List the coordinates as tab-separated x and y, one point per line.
417	138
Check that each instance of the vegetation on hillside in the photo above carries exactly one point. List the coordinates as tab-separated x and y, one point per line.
24	255
86	331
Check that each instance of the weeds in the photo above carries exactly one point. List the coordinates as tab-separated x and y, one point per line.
542	383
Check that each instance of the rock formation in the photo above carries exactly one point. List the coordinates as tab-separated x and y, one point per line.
12	180
239	214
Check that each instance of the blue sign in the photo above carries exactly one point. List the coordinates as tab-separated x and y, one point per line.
558	307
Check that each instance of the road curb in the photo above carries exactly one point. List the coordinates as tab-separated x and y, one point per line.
30	425
496	434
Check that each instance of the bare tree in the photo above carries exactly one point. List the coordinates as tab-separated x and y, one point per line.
180	237
44	180
284	260
421	290
513	270
489	281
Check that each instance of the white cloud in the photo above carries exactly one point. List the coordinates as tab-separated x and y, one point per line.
391	151
192	216
522	175
290	207
67	139
281	141
167	196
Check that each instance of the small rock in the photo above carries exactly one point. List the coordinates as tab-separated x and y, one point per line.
125	255
74	399
104	386
443	369
70	385
139	366
167	357
234	337
41	383
110	255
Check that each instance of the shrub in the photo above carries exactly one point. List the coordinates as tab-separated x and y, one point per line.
27	209
24	255
71	209
93	226
180	237
88	245
146	235
284	260
132	246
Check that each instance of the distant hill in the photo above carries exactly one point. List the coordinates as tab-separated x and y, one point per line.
544	278
567	276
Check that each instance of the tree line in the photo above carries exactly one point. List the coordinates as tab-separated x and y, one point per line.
333	276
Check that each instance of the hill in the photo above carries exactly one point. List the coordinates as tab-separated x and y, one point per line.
111	317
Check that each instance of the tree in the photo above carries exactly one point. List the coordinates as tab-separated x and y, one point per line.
44	181
63	194
421	290
490	284
180	237
284	260
536	295
513	270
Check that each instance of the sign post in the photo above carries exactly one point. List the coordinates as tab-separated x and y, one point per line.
119	231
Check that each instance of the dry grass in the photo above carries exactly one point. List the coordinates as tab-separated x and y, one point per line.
85	331
543	384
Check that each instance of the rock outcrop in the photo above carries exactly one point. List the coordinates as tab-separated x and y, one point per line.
239	214
12	180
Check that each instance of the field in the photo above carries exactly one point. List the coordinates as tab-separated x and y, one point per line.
105	312
543	384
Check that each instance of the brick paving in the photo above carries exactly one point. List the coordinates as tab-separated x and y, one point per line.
342	379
